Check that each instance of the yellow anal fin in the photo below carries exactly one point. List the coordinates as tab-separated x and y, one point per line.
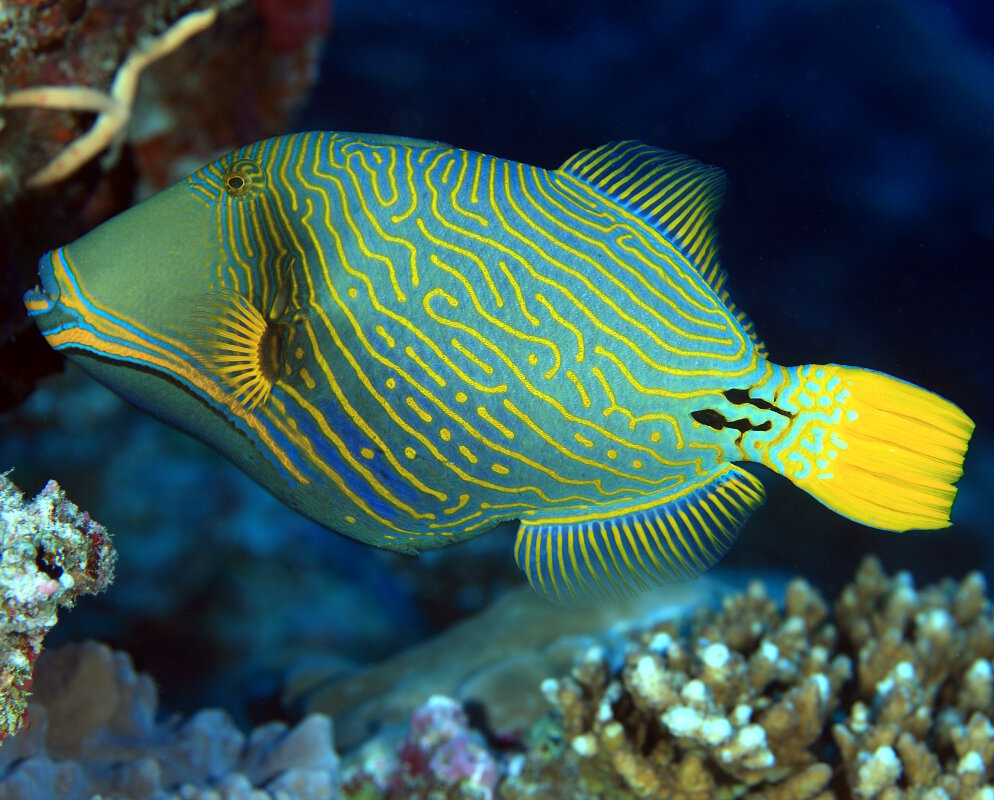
581	563
873	448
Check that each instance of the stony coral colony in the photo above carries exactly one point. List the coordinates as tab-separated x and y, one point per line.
889	695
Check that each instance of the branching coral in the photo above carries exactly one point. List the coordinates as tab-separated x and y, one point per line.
887	696
742	701
920	726
50	554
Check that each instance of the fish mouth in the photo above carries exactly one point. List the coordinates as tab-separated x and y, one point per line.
43	299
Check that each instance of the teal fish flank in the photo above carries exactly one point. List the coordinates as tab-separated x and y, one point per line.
411	343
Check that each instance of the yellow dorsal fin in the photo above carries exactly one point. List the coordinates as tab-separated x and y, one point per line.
674	193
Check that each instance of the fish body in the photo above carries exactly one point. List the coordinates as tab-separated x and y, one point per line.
411	343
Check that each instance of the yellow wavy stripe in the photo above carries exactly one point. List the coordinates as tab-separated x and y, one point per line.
570	222
429	396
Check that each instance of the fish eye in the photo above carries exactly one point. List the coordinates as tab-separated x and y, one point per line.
242	178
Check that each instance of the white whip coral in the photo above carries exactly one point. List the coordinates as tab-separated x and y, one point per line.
50	554
113	109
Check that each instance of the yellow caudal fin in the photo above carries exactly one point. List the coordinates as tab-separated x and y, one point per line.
873	448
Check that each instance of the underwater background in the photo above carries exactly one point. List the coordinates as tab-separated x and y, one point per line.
858	229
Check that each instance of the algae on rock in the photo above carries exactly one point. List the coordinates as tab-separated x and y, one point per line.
50	554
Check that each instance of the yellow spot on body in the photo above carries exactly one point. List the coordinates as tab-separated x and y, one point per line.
298	353
391	383
612	454
409	452
367	453
472	459
655	436
637	464
461	397
349	518
500	469
306	377
353	293
445	434
583	440
532	359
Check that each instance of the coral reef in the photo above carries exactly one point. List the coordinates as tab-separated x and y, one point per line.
80	48
892	698
50	554
494	660
924	690
887	695
93	732
113	109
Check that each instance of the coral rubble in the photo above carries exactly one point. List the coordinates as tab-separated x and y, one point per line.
890	698
94	733
50	554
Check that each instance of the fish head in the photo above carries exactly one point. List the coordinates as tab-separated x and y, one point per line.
144	301
144	265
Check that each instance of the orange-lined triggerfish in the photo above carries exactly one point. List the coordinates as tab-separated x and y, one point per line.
412	343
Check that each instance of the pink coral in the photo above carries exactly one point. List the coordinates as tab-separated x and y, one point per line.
440	754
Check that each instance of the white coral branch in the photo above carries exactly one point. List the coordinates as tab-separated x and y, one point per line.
113	109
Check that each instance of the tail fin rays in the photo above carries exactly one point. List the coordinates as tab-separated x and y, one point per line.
873	448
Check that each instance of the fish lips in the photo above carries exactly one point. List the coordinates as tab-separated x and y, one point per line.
43	299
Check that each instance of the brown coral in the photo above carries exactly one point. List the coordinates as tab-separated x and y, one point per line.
741	701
